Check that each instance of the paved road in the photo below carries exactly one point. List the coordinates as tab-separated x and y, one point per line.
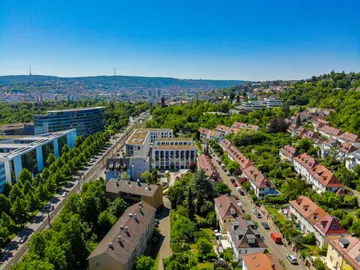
18	246
279	251
164	226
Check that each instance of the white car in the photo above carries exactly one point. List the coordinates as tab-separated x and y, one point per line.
291	258
64	194
254	209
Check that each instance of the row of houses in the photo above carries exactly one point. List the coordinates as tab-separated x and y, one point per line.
221	131
320	177
204	163
260	184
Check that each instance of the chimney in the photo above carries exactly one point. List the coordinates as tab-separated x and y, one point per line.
130	215
135	216
126	229
119	239
129	182
273	266
138	182
149	187
117	184
140	205
111	245
121	227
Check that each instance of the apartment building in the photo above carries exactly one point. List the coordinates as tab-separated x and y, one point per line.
321	178
343	253
135	191
345	151
327	146
126	241
227	210
313	219
224	130
349	137
175	155
244	239
132	166
159	133
328	131
138	143
204	163
86	121
31	152
353	160
259	183
204	133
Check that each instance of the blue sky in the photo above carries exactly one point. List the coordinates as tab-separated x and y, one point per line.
251	40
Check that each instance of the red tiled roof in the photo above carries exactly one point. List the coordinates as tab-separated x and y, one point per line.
306	161
347	148
204	131
224	204
222	128
261	261
350	137
325	176
350	252
225	143
318	217
240	125
311	135
255	176
330	130
288	151
204	162
235	154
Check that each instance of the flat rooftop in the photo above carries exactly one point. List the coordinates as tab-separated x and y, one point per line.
158	129
178	139
175	147
23	143
138	137
76	110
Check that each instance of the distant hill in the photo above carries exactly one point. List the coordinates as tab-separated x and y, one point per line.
123	81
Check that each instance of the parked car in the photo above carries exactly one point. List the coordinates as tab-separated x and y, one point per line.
265	225
292	259
64	194
254	209
258	215
276	237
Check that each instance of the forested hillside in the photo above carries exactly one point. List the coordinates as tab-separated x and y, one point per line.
338	91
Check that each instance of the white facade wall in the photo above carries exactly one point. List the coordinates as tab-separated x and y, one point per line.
164	159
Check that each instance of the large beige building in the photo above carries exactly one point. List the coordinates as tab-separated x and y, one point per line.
126	240
135	191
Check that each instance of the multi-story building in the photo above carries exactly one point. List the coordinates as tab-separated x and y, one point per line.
240	125
328	131
159	133
260	260
135	191
345	151
349	137
86	121
343	253
259	183
227	210
272	102
321	178
311	135
17	129
132	166
313	219
204	133
139	143
235	154
353	160
31	153
244	239
126	240
175	153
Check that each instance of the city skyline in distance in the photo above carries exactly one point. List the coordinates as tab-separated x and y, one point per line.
207	40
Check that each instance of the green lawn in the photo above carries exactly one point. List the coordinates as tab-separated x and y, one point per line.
274	211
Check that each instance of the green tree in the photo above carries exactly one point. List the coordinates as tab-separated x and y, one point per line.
7	221
56	255
45	173
15	192
147	177
145	263
190	207
32	202
204	246
117	207
50	160
37	244
221	188
105	221
24	176
27	187
4	204
18	208
154	176
65	149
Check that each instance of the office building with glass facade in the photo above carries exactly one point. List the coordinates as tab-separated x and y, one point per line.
86	121
31	153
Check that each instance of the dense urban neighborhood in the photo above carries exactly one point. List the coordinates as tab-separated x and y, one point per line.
259	175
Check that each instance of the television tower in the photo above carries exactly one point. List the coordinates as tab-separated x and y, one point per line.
114	72
30	70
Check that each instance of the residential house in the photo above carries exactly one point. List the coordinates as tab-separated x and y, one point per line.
321	178
133	166
235	154
327	146
311	135
313	219
244	239
260	261
319	121
343	253
345	151
328	131
204	163
287	153
135	191
259	183
349	138
126	240
353	160
216	136
227	210
204	133
240	125
224	130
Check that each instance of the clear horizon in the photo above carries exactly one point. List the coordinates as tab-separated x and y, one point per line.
252	41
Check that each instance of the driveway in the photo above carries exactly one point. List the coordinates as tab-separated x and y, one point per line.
164	226
279	251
